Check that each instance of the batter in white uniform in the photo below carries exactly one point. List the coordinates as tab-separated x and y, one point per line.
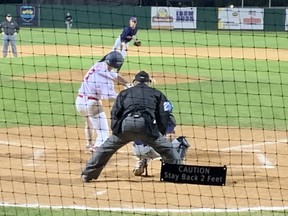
98	84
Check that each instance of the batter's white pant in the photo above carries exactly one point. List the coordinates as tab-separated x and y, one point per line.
95	120
118	45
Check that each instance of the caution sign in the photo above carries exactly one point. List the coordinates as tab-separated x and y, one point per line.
205	175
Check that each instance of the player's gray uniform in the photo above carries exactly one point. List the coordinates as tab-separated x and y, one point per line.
9	31
68	21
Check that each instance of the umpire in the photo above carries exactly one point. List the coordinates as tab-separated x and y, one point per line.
140	112
9	29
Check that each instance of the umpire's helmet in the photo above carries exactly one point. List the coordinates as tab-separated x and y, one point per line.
114	59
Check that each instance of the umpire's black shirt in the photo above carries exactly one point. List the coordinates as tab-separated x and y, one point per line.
128	33
9	28
140	98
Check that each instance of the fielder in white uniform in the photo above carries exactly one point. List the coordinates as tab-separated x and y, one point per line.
98	84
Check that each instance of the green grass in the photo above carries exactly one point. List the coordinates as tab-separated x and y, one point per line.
224	103
236	93
178	38
19	67
20	211
60	212
28	103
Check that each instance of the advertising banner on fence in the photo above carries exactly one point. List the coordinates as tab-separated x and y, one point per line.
28	15
241	18
173	17
286	20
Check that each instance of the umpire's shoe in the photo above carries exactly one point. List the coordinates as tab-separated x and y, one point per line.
85	178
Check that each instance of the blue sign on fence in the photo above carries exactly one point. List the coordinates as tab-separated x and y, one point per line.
28	15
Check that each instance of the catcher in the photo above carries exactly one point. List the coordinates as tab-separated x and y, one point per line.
145	153
128	34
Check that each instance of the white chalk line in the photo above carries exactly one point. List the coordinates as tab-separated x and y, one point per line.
264	160
29	145
17	144
37	153
205	210
266	163
99	193
249	146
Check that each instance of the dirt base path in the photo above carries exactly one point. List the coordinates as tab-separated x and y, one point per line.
42	166
201	52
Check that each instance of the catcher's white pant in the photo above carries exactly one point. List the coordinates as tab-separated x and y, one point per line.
95	119
146	152
123	47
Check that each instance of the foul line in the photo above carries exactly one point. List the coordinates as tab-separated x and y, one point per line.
21	144
38	152
266	163
284	141
31	145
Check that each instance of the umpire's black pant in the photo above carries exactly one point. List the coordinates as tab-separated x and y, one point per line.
132	129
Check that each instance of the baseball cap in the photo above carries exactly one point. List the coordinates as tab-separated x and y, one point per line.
134	19
8	15
142	76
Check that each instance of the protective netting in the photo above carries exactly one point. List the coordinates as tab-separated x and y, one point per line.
223	69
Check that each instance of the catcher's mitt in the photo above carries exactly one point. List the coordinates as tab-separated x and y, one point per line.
137	43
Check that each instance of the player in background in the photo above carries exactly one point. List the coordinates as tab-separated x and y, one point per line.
68	21
128	34
9	29
98	84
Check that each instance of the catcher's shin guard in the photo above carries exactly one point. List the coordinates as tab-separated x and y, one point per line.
182	145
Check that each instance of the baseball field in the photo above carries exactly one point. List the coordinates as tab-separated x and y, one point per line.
229	91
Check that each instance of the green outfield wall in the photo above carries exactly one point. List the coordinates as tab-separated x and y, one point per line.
86	16
274	19
207	18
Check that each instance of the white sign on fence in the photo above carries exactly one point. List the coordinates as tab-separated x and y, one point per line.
241	18
173	17
286	20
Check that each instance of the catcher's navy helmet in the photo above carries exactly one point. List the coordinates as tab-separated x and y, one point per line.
114	59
